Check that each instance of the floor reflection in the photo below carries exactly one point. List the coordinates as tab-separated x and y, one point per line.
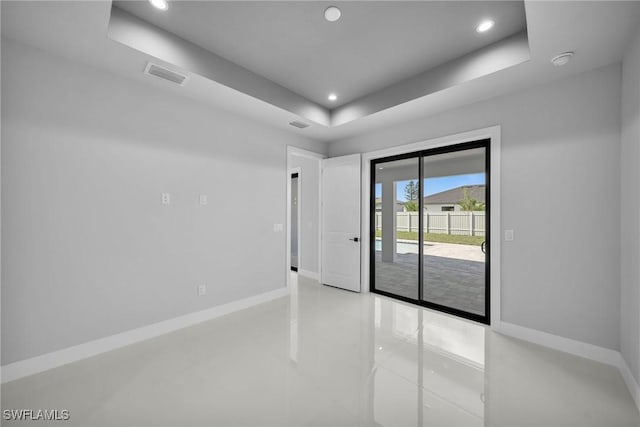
409	366
327	357
440	364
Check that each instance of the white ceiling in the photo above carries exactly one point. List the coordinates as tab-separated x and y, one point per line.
373	45
598	32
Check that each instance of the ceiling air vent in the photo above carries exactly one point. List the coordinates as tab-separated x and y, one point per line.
298	124
165	73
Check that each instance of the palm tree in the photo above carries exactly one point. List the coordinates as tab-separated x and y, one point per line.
469	203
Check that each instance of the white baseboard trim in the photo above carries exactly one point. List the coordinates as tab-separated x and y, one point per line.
629	379
34	365
568	345
310	274
577	348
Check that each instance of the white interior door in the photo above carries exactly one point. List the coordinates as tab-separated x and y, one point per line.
341	222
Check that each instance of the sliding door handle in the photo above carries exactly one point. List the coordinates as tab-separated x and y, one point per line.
355	239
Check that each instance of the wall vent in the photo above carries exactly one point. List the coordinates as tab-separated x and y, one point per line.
165	73
298	124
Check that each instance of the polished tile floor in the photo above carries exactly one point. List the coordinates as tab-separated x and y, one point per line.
327	357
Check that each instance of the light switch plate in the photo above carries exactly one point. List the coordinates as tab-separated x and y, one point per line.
508	235
202	290
203	200
278	227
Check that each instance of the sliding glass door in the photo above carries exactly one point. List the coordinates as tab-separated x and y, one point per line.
396	247
429	228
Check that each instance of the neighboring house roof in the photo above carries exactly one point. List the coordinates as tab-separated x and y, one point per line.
453	196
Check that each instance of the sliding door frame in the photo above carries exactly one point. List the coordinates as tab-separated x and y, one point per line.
485	143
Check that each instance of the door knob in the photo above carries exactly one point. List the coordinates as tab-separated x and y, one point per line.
355	239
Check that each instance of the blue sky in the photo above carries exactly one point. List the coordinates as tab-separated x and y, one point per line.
437	185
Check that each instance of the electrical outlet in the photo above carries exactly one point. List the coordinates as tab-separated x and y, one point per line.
508	235
166	198
203	200
202	290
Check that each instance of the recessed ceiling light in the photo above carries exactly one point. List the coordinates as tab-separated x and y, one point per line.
160	4
332	14
485	26
332	97
561	59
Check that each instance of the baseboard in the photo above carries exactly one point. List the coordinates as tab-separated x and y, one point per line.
309	274
577	348
34	365
630	380
568	345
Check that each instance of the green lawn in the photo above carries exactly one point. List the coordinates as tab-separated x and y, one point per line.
438	238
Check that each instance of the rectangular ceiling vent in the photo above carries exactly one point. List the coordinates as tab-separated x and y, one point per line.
298	124
164	73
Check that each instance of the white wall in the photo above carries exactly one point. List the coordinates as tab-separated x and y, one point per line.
630	211
309	205
560	177
87	248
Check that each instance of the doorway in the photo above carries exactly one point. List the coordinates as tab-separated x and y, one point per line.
429	228
306	220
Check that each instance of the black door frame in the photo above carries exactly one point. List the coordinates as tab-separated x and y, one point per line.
481	143
293	176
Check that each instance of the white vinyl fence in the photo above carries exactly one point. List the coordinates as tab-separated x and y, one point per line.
470	223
